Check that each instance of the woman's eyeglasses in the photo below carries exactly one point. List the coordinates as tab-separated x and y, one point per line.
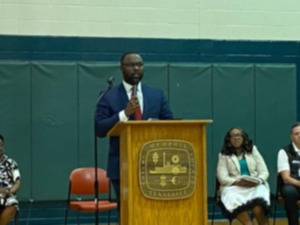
236	135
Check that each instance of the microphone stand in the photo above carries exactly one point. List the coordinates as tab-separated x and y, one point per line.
96	184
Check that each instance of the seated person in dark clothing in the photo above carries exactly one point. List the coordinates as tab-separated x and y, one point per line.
288	166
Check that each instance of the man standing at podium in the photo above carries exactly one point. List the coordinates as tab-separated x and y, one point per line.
130	100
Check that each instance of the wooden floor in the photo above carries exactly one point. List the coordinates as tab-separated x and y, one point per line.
236	222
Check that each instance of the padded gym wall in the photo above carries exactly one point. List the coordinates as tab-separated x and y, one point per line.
261	99
48	109
275	111
15	118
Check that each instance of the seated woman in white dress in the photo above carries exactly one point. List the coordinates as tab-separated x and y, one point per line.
240	158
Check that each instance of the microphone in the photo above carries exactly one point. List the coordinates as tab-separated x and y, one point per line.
135	81
110	81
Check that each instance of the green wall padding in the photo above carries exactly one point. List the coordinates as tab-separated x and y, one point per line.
275	112
157	75
191	98
92	79
47	112
233	101
54	127
15	118
190	90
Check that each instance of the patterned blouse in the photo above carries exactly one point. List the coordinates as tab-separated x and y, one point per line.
9	174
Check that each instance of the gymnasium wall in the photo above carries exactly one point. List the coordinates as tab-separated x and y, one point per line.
239	59
48	110
189	19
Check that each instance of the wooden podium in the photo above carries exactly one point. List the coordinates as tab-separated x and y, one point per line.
162	150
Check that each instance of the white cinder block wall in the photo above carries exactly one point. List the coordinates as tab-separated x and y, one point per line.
185	19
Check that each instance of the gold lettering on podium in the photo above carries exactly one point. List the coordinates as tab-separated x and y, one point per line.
167	169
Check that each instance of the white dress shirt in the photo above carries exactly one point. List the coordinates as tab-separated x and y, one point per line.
139	94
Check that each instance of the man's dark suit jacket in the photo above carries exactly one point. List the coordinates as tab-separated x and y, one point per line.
115	100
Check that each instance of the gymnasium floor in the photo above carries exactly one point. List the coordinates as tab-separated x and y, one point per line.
53	213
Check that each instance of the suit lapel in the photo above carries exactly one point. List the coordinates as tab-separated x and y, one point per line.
235	161
123	96
145	102
124	100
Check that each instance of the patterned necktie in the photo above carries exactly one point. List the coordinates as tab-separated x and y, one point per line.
138	112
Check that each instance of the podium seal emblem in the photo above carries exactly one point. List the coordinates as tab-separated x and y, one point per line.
167	169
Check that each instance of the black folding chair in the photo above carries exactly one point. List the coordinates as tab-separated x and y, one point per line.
278	199
217	202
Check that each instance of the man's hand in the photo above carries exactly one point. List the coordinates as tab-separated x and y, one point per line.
131	106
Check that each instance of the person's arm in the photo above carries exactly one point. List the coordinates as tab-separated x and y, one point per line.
165	112
287	179
104	119
14	188
112	108
261	167
223	173
224	176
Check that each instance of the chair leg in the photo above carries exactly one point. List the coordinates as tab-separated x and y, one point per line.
274	213
78	218
66	216
108	217
16	219
213	214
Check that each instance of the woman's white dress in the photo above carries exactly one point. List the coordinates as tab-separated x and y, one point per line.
235	198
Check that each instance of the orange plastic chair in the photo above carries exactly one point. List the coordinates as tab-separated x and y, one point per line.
81	194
